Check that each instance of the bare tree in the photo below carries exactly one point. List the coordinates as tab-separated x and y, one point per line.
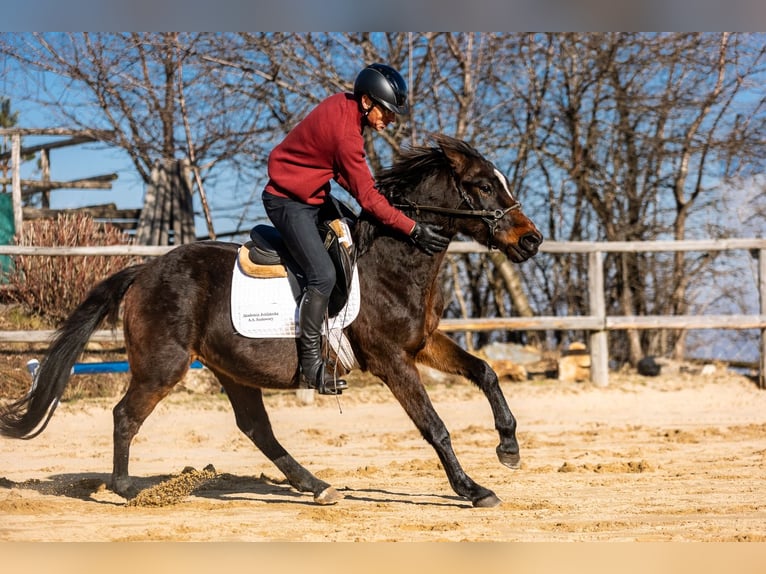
646	129
150	91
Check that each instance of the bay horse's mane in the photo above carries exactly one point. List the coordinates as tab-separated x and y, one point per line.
405	177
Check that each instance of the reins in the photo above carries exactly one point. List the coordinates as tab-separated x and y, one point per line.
490	216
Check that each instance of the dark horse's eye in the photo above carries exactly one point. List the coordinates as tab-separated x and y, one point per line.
485	188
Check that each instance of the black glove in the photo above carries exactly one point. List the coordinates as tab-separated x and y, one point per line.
427	237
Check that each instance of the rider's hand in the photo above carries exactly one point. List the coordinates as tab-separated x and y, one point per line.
427	237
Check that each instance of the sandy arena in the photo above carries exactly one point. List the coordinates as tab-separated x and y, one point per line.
674	458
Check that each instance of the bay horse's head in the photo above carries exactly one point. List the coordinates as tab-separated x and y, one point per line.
467	194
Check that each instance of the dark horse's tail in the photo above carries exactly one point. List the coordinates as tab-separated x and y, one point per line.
20	418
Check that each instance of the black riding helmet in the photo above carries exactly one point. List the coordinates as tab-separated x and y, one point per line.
384	85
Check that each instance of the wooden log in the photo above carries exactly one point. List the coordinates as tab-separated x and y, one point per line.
612	323
567	247
94	135
50	145
762	292
687	322
522	324
16	184
46	335
45	167
141	250
105	211
599	342
33	186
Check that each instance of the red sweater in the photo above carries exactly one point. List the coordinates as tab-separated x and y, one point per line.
327	144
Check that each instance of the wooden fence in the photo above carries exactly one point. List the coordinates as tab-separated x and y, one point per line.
166	217
598	323
45	185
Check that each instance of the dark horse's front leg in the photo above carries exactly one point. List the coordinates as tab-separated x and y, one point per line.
253	421
403	379
444	354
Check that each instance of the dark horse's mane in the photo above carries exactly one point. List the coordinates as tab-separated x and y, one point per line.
397	182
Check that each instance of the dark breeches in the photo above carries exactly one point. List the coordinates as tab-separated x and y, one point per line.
297	223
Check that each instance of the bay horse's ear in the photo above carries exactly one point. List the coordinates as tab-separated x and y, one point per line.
451	148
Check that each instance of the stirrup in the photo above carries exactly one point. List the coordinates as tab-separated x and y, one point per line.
327	385
332	387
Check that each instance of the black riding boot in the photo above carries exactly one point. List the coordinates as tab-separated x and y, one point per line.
311	315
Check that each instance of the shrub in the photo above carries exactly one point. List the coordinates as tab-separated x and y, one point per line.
52	286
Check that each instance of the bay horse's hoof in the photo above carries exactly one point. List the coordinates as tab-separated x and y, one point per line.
328	496
509	459
489	501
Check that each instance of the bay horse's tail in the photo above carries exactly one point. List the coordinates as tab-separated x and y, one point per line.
20	418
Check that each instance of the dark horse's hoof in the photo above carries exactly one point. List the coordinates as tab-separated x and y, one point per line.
328	496
125	489
489	501
509	459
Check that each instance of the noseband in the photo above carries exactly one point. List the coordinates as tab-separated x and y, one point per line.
490	216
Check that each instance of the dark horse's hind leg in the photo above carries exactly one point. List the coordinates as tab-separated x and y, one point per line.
404	381
253	420
129	414
444	354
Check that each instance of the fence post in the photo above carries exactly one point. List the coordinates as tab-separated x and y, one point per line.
762	290
16	182
599	348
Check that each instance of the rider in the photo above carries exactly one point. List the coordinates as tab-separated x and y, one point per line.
328	145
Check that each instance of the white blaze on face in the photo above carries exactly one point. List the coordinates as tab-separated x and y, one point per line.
503	182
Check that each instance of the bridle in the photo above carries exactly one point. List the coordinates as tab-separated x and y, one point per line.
490	216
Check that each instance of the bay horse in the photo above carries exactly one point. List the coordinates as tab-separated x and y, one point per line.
177	310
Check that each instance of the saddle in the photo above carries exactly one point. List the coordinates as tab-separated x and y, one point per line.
266	256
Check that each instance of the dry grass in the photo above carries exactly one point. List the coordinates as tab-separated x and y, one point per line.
43	290
52	286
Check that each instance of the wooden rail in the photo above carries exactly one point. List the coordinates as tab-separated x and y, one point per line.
598	323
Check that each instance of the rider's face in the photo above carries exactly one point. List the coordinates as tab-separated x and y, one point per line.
378	117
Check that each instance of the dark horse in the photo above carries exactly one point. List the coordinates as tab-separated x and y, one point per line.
177	310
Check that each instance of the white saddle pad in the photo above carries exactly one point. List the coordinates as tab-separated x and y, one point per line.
265	307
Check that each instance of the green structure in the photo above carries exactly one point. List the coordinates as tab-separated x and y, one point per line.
6	234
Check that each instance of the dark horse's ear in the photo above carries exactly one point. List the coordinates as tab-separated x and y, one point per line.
452	150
